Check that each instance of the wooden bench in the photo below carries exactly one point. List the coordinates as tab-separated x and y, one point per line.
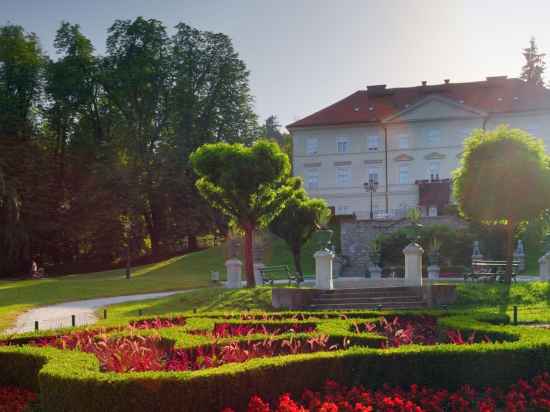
490	270
269	273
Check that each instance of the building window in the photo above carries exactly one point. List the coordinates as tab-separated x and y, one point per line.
372	175
434	137
312	179
343	145
312	145
373	143
343	176
403	142
432	211
403	175
433	171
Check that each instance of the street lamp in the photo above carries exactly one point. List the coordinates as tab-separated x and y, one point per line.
371	187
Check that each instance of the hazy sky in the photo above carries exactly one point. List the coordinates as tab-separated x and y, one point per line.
305	55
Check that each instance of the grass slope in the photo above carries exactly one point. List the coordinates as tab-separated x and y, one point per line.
183	272
201	301
179	273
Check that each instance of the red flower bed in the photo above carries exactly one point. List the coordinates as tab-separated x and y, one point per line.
523	396
13	399
157	323
139	353
420	330
224	330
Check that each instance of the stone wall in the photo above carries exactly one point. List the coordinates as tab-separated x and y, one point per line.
357	236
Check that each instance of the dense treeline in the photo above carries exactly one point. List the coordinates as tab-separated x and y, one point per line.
94	149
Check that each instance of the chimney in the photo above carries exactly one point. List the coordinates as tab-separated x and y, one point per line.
447	81
376	90
424	82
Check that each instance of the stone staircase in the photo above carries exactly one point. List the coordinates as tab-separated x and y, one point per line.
384	298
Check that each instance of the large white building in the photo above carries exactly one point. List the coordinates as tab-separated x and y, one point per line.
407	139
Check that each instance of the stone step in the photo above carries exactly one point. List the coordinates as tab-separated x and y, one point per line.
369	306
372	292
365	299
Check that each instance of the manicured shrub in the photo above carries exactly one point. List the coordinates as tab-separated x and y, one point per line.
69	378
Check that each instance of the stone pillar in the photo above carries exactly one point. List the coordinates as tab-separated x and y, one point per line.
323	269
544	267
257	275
519	255
413	264
234	271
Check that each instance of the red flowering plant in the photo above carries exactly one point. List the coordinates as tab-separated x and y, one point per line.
13	399
524	396
150	353
158	323
420	330
224	330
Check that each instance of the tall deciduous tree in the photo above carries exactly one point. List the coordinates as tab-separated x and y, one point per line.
246	183
533	70
503	178
21	62
299	219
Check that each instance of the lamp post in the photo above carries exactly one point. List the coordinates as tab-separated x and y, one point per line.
371	187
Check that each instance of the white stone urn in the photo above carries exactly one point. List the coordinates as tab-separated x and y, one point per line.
323	269
413	264
234	273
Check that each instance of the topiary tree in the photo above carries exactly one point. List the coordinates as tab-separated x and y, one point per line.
248	184
503	178
297	222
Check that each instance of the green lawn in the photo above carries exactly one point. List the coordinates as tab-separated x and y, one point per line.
204	300
184	272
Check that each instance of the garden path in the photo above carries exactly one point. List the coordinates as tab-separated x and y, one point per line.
59	315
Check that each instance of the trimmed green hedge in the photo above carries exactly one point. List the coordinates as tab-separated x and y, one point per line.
71	381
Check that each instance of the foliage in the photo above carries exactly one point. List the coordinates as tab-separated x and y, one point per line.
248	184
523	395
299	219
14	399
455	245
517	353
502	179
533	70
20	69
99	145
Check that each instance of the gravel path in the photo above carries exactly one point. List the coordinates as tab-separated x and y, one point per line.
59	316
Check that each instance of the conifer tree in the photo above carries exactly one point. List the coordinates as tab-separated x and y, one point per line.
533	70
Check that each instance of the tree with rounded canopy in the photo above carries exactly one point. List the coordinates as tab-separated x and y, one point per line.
503	178
299	219
248	184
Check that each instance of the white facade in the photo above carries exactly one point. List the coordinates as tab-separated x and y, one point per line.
425	141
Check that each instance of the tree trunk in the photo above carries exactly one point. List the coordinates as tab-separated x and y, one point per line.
297	263
129	258
192	244
248	256
509	250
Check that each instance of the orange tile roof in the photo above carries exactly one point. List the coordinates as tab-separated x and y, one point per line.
494	95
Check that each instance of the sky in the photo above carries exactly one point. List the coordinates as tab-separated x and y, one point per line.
304	55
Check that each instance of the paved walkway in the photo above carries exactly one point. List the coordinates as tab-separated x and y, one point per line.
59	316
